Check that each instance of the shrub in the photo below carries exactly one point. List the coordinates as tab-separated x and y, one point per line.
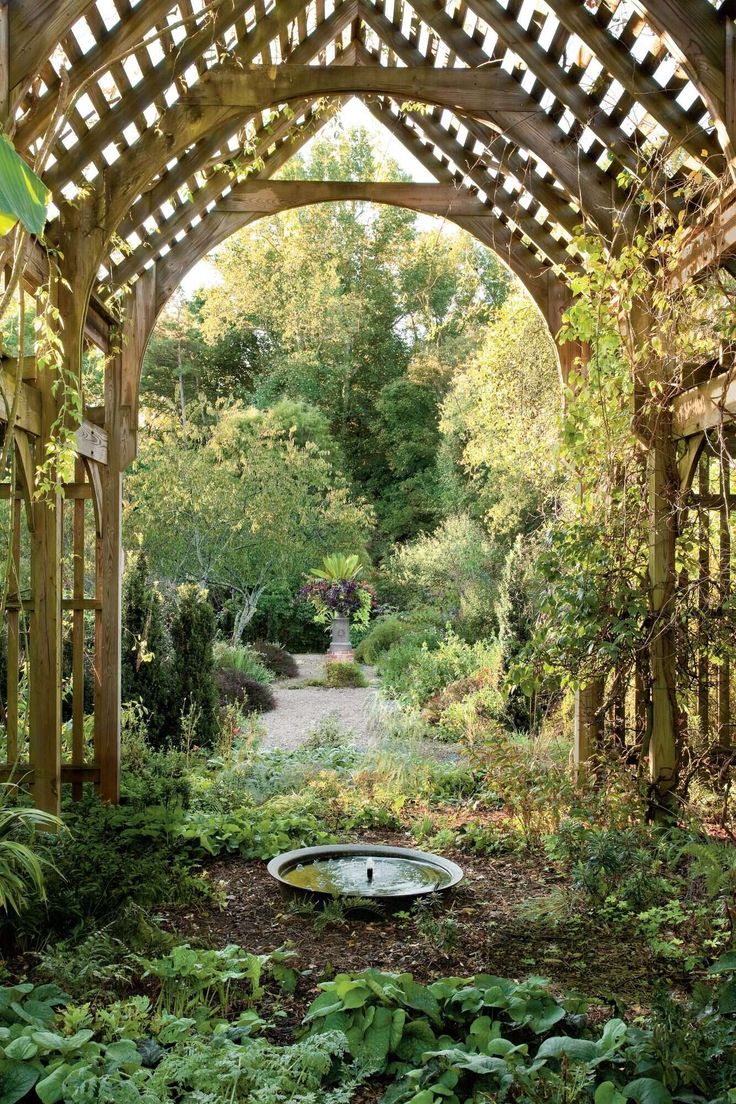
342	673
192	635
382	634
414	673
251	695
242	658
277	659
145	660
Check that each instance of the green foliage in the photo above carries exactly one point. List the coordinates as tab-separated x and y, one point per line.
339	673
192	636
145	653
413	673
280	824
470	1039
21	865
335	568
243	658
191	979
382	634
452	571
106	857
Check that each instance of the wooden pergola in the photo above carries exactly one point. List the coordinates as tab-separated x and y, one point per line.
523	111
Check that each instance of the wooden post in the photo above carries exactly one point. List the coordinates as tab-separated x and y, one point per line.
662	483
703	576
109	582
45	647
588	722
724	550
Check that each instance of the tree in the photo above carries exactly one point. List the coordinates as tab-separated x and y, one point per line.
243	509
145	662
194	691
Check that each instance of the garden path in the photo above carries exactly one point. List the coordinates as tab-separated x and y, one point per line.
301	708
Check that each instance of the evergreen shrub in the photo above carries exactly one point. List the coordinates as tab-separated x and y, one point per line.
192	636
248	693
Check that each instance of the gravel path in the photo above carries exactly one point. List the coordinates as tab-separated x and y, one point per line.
300	709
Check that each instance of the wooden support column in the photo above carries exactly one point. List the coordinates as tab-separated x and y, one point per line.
109	593
588	715
663	483
45	646
703	577
588	722
724	557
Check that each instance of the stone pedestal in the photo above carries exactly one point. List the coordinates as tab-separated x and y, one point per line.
340	646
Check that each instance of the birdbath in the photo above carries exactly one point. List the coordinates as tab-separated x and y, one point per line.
391	876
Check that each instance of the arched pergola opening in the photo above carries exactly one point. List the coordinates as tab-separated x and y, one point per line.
525	119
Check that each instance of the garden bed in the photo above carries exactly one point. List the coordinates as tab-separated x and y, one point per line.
487	925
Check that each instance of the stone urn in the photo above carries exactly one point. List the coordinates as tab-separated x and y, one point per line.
340	646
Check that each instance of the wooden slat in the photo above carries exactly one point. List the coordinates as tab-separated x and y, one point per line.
704	407
617	60
35	28
78	630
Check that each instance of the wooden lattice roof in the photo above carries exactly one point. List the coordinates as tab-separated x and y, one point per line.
563	96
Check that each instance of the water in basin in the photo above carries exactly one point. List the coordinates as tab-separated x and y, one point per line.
364	876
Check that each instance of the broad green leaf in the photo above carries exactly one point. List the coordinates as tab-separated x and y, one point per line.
645	1090
23	196
607	1093
16	1080
582	1050
724	965
49	1091
21	1048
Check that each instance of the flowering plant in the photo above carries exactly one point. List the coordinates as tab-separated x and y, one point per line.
339	598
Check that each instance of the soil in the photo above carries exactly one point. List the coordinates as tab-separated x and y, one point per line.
488	924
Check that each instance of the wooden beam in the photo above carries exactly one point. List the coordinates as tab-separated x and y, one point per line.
551	75
111	127
527	125
28	415
521	260
710	243
527	225
270	197
122	39
704	407
257	86
36	26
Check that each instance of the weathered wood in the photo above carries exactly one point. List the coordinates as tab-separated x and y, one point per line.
703	587
526	126
725	722
78	631
121	116
271	197
588	723
712	241
616	58
662	482
704	407
697	37
45	643
35	28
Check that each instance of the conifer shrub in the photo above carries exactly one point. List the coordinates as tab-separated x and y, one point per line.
340	674
192	637
146	662
277	660
250	695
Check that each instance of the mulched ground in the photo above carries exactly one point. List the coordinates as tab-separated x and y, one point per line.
493	931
